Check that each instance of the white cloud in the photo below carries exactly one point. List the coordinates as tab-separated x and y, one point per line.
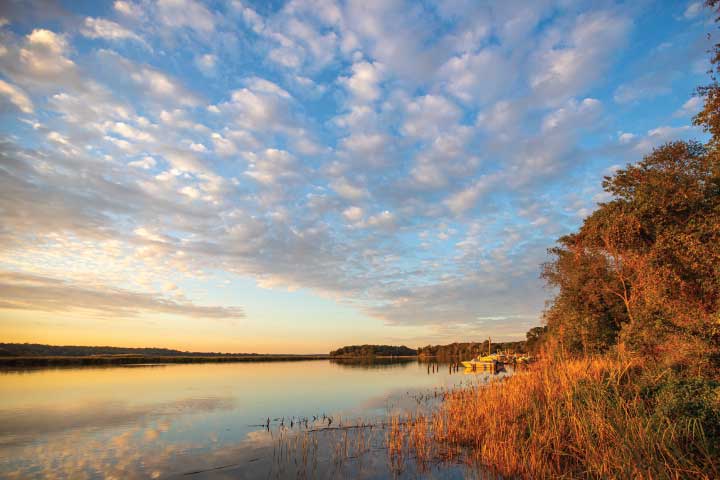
129	132
369	147
659	135
262	106
186	13
160	85
146	163
223	146
39	61
383	220
568	63
206	63
129	9
502	117
364	83
478	77
693	10
24	291
429	115
647	86
690	108
573	115
353	214
468	198
108	30
272	167
626	137
16	96
347	190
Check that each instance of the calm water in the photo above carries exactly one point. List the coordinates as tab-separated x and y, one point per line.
204	420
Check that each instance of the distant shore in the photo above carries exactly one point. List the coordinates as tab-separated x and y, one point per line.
68	360
49	361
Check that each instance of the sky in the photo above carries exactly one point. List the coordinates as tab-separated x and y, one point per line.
290	177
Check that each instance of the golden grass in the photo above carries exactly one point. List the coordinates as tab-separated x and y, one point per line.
576	419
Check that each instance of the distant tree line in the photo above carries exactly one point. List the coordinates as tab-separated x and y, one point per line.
373	351
39	350
470	349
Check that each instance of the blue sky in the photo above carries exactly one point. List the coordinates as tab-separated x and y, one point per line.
289	177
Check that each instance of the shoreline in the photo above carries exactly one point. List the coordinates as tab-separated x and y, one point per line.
52	361
146	359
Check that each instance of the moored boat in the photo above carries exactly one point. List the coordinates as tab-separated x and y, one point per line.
484	362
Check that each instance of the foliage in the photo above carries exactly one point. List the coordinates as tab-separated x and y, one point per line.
373	350
535	337
643	271
469	349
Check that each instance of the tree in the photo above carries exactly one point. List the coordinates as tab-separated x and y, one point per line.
644	268
534	338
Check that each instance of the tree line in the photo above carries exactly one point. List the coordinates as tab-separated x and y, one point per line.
40	350
373	351
467	350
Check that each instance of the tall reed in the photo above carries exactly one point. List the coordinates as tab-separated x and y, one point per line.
587	418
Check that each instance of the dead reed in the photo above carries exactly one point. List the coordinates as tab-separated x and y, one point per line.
588	418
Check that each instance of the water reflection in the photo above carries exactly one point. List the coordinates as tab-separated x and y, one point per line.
372	363
203	420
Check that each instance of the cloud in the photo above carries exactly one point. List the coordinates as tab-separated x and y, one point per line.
16	96
429	115
348	190
186	14
353	214
262	105
690	108
468	197
411	161
573	115
153	82
479	77
364	83
657	136
21	291
693	10
39	61
272	167
394	33
207	63
568	63
646	87
108	30
128	9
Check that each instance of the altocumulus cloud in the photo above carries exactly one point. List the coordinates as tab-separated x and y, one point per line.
410	160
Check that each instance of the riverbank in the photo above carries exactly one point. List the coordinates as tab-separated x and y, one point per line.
68	360
50	361
588	418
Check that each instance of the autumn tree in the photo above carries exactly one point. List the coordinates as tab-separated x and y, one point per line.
643	271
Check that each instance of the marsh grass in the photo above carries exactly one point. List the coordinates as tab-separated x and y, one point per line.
589	418
599	417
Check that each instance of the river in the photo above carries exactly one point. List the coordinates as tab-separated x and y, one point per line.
211	420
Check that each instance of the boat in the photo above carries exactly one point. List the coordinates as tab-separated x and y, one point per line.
488	362
483	363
